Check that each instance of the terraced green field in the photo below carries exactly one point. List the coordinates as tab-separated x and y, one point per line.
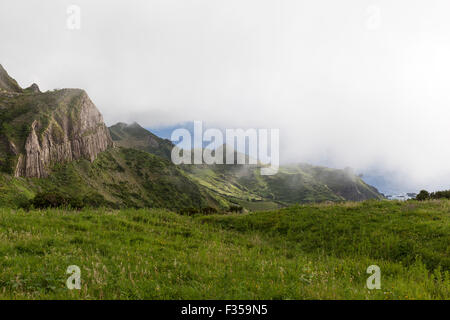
302	252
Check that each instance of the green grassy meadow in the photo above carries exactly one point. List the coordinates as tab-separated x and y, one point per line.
312	251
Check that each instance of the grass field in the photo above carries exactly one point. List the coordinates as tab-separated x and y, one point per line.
302	252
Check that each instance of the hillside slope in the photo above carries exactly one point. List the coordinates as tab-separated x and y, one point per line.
243	185
135	136
57	142
301	183
304	252
118	177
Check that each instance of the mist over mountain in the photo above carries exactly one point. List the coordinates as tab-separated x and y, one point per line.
342	90
243	184
56	149
264	151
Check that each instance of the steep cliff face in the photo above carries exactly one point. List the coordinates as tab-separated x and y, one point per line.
41	129
64	139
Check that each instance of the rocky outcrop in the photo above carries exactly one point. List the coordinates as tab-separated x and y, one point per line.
34	88
40	129
7	83
74	133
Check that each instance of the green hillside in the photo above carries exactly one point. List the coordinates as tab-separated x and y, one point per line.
295	184
139	227
243	184
134	136
47	135
317	251
122	177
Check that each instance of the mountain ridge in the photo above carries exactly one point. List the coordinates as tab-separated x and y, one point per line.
57	141
243	184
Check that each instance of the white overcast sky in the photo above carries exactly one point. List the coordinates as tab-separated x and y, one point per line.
353	83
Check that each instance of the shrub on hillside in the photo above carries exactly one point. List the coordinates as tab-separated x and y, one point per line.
237	209
95	200
209	210
423	195
57	199
192	211
440	194
189	211
53	199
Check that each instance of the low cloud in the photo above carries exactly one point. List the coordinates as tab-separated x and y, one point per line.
350	83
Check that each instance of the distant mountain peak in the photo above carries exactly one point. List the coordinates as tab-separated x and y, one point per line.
135	124
135	136
33	88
